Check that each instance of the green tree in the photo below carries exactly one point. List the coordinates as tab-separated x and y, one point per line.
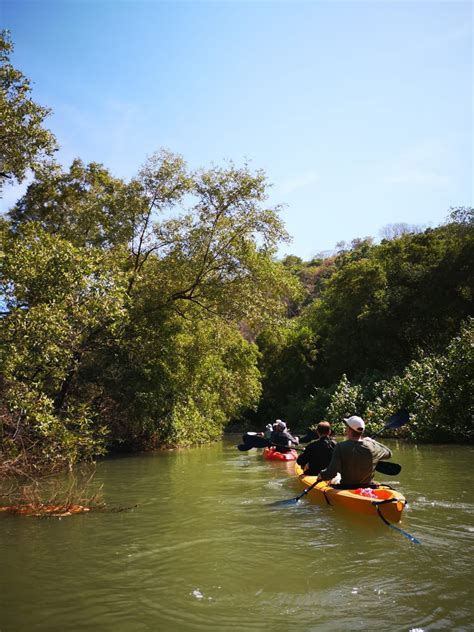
61	303
24	142
126	320
202	278
181	382
286	363
348	399
438	391
347	321
85	205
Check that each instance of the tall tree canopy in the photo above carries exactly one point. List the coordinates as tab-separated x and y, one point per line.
24	142
124	304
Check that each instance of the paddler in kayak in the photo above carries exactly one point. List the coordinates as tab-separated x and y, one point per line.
281	437
317	455
268	432
356	457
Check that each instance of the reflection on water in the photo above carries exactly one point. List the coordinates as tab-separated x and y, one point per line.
206	550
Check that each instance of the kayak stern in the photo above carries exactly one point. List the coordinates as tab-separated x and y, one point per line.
363	500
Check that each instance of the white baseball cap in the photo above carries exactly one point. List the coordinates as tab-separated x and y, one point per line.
356	423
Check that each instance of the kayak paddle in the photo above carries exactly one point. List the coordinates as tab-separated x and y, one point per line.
253	440
399	419
389	468
392	526
384	467
291	501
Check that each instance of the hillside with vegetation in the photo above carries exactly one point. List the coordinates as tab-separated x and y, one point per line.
380	326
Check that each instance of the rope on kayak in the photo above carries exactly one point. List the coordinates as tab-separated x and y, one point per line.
368	486
325	497
384	502
389	524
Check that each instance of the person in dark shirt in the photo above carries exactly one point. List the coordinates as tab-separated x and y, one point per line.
317	455
281	437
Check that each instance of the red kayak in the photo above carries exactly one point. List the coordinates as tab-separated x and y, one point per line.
272	454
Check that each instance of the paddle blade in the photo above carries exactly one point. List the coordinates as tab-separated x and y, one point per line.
252	440
243	448
285	503
293	501
309	436
399	419
385	467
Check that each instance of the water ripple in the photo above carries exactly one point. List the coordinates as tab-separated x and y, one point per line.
205	549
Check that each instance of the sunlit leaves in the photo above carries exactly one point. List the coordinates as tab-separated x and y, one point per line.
85	205
24	142
60	304
125	303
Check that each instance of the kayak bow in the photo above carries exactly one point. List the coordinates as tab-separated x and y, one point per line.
272	454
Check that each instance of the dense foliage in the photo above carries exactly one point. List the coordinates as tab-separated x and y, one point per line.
383	315
123	314
24	142
154	312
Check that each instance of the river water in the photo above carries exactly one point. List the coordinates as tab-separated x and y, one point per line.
204	549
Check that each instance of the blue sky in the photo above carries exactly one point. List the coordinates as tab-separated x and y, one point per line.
360	113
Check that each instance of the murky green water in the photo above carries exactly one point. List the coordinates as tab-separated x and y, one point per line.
204	550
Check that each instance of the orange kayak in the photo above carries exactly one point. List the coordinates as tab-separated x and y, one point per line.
365	500
272	454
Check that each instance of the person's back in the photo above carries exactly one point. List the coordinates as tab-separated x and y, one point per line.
317	455
355	459
281	438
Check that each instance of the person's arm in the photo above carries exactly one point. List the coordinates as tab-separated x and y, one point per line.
333	468
291	438
380	451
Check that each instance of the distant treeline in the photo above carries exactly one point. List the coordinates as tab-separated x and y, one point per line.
379	327
154	312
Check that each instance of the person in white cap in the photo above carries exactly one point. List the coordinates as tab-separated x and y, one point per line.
281	437
356	457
